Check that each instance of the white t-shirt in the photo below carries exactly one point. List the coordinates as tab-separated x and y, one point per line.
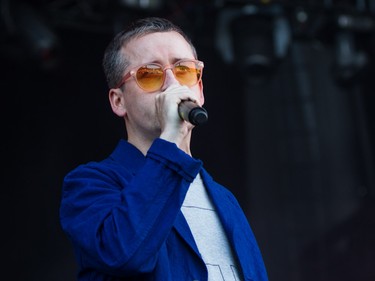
209	234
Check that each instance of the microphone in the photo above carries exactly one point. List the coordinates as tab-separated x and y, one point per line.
191	112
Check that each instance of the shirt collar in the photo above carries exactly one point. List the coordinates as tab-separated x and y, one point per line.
128	155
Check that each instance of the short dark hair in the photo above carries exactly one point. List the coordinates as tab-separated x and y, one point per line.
114	61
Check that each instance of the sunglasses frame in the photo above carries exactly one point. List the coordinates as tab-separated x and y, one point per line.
133	73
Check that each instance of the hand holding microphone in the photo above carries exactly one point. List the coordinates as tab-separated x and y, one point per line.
187	109
193	113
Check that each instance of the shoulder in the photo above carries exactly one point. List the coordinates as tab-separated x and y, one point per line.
98	173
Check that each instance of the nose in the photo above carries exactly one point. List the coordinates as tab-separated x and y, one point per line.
169	79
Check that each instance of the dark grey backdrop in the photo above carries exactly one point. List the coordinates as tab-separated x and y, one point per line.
291	134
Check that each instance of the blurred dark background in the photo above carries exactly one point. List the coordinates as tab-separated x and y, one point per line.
289	92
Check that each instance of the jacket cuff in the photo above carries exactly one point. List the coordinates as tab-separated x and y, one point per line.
176	159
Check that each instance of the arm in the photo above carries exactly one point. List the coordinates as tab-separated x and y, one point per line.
118	221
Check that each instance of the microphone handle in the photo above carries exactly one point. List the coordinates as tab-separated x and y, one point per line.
191	112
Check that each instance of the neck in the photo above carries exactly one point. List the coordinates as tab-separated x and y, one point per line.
143	144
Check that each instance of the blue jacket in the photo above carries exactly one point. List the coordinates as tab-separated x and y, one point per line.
123	218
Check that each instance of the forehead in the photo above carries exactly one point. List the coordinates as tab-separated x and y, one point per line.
158	47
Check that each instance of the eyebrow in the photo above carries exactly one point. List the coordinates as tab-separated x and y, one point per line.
158	62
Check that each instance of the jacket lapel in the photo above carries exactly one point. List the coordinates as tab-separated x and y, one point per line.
234	222
183	229
235	225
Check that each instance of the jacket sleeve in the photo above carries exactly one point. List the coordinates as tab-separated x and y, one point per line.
118	220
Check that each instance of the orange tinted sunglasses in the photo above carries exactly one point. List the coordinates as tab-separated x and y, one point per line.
150	77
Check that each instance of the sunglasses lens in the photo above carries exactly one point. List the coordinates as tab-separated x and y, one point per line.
150	77
187	73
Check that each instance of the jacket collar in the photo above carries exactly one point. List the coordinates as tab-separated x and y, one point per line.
128	156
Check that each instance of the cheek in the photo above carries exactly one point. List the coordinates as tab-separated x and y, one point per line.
140	106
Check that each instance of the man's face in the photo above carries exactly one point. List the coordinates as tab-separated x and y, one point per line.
164	48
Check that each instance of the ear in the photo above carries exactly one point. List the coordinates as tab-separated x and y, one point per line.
116	99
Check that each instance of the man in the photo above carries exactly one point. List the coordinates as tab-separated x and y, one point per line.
150	211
